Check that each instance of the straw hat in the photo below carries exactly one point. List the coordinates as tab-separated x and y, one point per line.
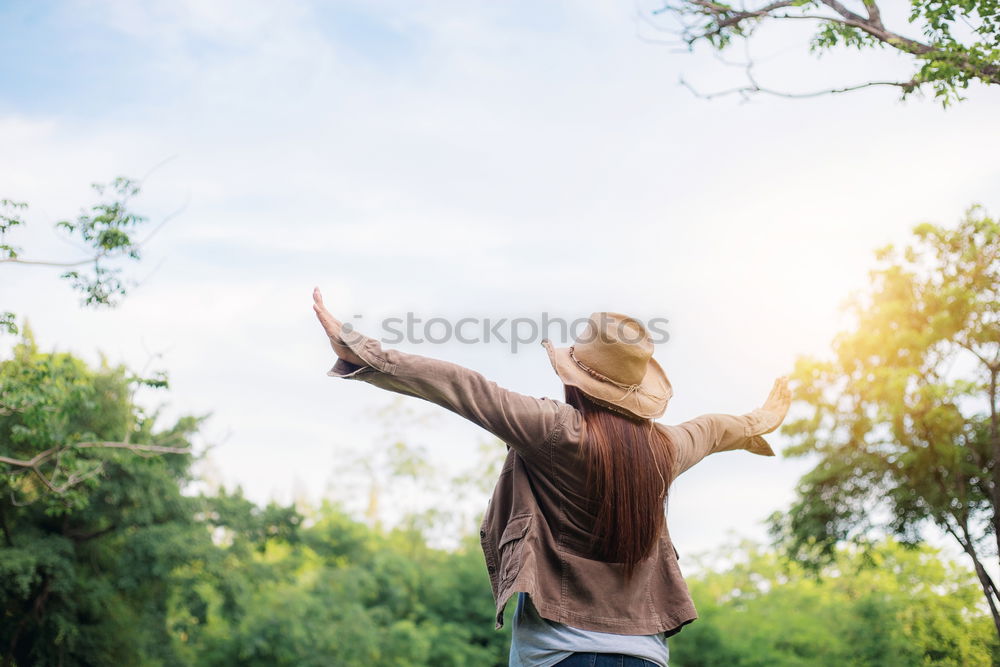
612	363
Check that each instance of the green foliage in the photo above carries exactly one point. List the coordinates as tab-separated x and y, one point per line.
49	405
87	572
960	38
903	417
10	217
127	569
895	606
107	231
831	34
123	568
355	596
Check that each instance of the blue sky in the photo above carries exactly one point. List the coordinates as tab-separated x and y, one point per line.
454	158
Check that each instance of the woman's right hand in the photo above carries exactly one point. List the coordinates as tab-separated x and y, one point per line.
333	327
776	406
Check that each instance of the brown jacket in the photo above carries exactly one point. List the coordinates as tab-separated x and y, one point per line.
535	533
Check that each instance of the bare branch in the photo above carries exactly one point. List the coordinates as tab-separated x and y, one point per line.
720	24
874	14
167	218
36	262
139	448
34	463
100	255
76	478
155	167
755	88
876	29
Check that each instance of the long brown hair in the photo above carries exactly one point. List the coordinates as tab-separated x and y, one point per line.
628	473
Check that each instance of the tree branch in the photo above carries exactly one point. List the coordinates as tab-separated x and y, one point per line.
756	88
874	14
141	448
719	23
41	457
37	262
989	587
34	464
100	255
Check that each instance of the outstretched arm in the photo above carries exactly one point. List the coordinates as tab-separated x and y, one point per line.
711	433
526	423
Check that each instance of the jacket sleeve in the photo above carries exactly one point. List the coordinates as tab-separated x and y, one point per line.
711	433
524	422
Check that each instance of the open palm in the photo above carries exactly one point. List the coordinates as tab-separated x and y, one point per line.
776	406
333	328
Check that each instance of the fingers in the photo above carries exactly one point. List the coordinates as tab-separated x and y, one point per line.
318	304
780	398
782	394
319	307
776	406
778	389
321	312
329	323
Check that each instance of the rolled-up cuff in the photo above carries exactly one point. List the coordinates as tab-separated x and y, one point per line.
369	350
758	445
758	423
345	369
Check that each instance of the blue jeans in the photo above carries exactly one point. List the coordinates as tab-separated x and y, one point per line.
604	660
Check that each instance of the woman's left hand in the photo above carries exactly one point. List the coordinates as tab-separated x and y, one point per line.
776	406
333	327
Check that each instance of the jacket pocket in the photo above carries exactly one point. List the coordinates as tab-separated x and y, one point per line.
511	546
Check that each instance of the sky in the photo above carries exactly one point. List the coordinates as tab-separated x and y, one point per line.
455	159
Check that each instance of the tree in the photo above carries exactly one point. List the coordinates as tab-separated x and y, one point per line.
124	568
959	45
904	417
107	231
45	456
357	595
893	607
110	566
393	482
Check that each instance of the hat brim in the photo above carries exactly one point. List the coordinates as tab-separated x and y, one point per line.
648	402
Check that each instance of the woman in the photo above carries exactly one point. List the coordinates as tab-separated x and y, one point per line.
576	524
